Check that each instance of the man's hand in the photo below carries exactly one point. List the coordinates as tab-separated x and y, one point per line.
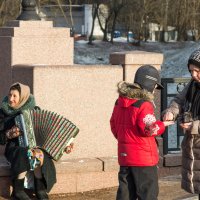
13	132
168	116
186	126
69	148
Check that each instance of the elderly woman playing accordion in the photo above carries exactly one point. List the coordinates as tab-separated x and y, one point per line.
19	99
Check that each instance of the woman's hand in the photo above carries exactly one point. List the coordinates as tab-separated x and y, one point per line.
13	132
69	148
37	153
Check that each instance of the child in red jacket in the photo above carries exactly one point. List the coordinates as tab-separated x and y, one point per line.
134	125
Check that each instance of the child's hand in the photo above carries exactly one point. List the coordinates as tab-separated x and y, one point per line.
69	148
168	116
168	123
13	132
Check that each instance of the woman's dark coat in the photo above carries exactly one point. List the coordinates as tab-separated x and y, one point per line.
17	156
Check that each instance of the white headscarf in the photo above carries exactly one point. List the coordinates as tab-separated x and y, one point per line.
24	94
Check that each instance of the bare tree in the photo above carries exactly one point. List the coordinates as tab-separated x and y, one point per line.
117	6
104	16
181	18
9	10
137	16
95	8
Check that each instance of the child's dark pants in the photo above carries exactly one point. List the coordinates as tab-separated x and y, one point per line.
138	183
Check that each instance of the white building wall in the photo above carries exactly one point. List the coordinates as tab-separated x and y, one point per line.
82	19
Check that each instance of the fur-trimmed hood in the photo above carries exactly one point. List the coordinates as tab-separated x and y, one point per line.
134	91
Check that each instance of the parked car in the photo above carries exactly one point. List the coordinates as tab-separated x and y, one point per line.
130	34
117	34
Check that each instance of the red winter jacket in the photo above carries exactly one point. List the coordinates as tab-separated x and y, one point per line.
134	125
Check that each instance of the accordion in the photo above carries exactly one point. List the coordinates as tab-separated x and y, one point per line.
46	130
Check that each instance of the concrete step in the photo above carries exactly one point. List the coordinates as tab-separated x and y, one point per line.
5	182
79	175
76	175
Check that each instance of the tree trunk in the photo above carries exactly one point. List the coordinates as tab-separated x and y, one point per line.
104	30
94	15
162	36
113	27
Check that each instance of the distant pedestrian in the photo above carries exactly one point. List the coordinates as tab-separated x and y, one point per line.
135	127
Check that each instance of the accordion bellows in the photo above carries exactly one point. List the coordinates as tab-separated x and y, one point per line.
46	129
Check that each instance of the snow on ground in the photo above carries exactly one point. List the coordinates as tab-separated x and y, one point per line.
175	61
175	54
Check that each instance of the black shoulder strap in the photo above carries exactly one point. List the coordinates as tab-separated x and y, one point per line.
138	103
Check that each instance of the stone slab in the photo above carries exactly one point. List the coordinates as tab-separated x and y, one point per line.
42	50
72	181
5	180
69	84
33	49
66	183
82	182
34	32
79	165
136	58
72	176
99	180
110	163
169	171
172	160
29	24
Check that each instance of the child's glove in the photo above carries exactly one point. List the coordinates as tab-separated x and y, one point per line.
13	132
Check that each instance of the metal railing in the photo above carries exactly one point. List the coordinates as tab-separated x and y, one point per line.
173	135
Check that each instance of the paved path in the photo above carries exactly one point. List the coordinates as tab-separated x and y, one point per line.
170	189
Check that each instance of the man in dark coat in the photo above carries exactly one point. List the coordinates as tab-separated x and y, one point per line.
186	108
